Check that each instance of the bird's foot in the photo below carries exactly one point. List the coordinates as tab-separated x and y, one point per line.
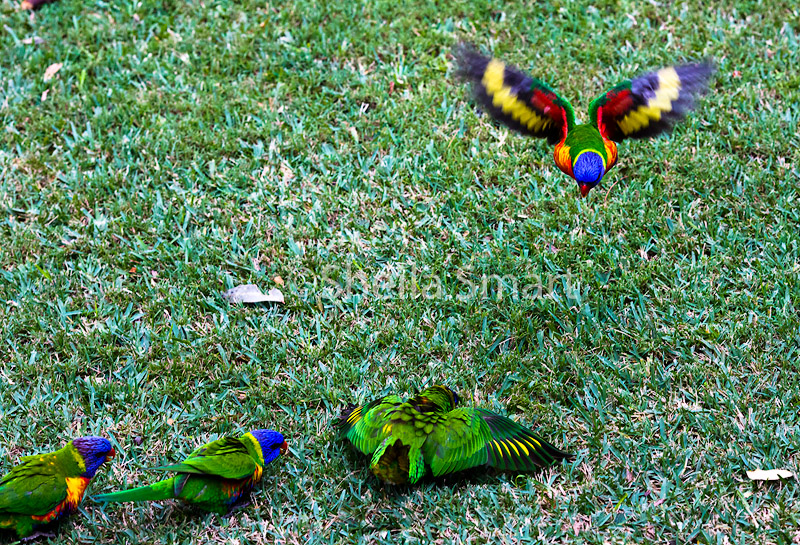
37	535
238	506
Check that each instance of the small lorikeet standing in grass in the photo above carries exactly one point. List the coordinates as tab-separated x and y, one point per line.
429	431
45	488
216	477
645	106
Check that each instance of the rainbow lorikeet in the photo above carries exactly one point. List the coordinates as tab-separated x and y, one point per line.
45	488
645	106
216	477
429	431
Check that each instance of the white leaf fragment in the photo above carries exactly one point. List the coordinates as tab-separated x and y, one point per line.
769	474
250	293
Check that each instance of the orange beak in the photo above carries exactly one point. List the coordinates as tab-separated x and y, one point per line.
585	190
284	447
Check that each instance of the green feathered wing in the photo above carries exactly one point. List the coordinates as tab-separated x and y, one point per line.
364	426
227	458
467	438
34	487
42	489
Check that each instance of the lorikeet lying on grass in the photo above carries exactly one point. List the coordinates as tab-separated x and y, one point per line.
216	477
428	431
639	108
45	488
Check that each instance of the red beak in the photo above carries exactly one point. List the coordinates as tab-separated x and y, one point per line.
111	453
284	447
585	190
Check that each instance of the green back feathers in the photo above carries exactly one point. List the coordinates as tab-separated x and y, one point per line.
36	486
227	457
585	138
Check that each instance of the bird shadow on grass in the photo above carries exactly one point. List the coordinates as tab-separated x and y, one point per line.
390	507
10	536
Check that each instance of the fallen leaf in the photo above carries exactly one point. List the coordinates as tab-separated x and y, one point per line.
52	70
34	40
44	94
769	474
170	421
278	280
250	293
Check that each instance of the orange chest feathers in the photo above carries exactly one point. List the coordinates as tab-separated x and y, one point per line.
76	487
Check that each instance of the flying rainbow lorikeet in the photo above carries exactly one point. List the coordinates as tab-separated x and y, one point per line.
645	106
46	488
404	439
217	477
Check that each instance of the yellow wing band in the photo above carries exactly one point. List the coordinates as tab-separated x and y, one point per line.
494	81
355	416
669	88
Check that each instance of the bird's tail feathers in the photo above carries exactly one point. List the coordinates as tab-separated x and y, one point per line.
390	462
470	64
162	490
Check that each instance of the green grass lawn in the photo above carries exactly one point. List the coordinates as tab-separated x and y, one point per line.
184	148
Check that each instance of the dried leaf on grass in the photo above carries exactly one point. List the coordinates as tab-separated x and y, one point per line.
52	70
250	293
769	474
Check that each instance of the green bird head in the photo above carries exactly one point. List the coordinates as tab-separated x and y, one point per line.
95	451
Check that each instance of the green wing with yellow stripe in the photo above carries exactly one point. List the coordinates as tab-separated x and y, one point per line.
650	104
467	438
517	100
365	426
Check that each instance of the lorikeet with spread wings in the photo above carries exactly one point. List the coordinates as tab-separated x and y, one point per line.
429	431
45	488
645	106
216	477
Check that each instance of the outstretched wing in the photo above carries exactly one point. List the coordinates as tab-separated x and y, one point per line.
650	104
33	487
521	102
226	457
515	447
458	441
364	426
467	438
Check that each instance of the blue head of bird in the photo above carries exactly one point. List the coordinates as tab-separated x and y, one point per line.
94	451
272	444
588	170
